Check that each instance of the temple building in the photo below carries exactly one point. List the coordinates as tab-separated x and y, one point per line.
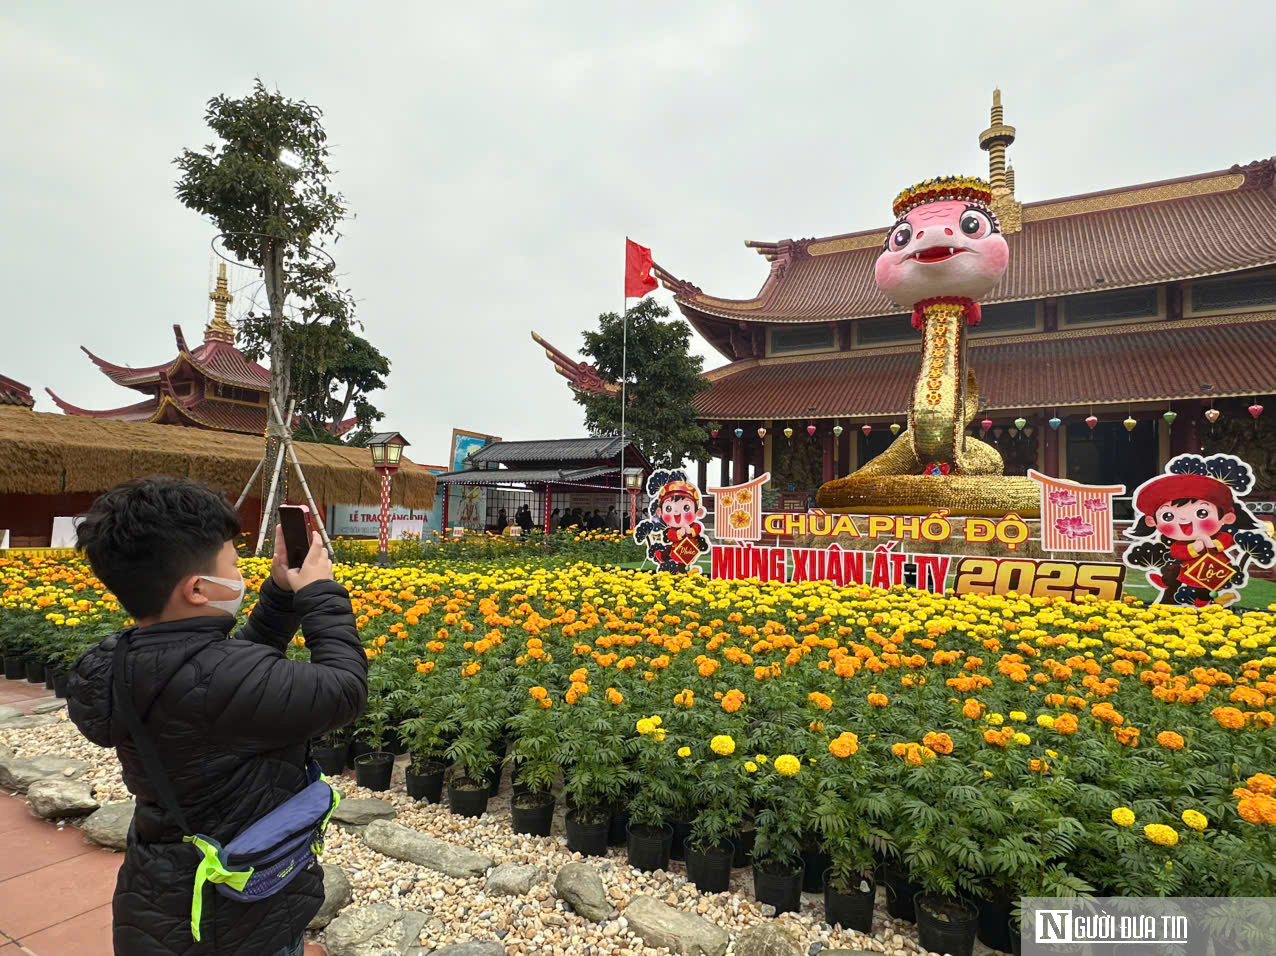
210	386
1132	324
15	393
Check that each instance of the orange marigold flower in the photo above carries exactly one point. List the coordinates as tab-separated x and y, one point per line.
822	701
732	700
614	696
940	743
1259	808
878	700
972	709
845	745
1170	740
1128	736
1262	783
1038	766
1229	717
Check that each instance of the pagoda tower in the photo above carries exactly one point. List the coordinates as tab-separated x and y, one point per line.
211	386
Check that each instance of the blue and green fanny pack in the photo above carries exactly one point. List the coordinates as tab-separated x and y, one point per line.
264	857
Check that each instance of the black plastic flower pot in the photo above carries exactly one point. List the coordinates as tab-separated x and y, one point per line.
618	830
681	831
59	684
48	676
466	797
1016	942
330	757
372	770
780	887
814	863
744	841
35	671
15	668
711	870
586	838
946	925
649	847
533	813
850	907
899	894
357	749
994	923
427	783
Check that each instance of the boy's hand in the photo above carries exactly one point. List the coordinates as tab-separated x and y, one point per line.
279	562
316	567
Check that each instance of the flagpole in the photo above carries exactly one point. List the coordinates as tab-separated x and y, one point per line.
624	375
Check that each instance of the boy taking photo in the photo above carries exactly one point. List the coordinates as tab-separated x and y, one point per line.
229	716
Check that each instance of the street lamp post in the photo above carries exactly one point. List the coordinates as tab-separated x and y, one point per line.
387	453
633	484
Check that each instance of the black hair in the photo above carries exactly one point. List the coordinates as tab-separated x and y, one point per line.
145	536
1244	519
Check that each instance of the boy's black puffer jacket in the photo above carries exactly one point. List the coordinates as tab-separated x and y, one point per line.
231	719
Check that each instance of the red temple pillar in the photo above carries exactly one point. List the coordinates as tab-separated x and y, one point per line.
738	474
844	454
549	496
724	479
1188	428
826	439
443	513
1051	448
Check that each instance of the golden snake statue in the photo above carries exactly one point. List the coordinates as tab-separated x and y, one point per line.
944	252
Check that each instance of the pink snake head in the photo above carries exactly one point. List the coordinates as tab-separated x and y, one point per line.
944	248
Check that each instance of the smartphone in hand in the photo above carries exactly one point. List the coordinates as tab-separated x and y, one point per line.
298	528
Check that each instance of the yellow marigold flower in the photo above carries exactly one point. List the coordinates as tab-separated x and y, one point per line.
645	726
760	758
658	734
787	765
1022	739
1123	817
996	719
750	766
1196	820
722	745
1046	721
684	751
1018	715
1160	834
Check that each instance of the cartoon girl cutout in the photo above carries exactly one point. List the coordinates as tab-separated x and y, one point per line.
1201	538
673	532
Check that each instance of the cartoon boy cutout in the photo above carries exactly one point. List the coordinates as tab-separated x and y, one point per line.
673	531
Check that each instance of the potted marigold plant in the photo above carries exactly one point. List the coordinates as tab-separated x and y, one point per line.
723	795
472	751
424	736
777	853
593	748
536	759
373	768
650	835
849	816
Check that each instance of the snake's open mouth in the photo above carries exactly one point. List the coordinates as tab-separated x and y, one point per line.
936	253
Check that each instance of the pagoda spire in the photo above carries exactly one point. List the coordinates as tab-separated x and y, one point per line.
995	139
220	328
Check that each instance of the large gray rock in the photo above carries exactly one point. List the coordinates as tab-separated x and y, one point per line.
337	892
360	811
580	886
49	706
471	949
28	722
767	940
8	713
18	773
403	843
658	924
853	952
514	879
109	825
377	930
55	798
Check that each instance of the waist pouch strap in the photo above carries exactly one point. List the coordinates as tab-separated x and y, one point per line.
210	870
318	845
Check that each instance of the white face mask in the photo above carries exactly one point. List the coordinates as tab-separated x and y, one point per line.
232	606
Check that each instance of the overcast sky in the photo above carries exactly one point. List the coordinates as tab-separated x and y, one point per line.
497	154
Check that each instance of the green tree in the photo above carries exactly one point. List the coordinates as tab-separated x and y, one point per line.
663	378
266	186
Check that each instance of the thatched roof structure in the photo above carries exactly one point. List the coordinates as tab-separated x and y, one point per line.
47	454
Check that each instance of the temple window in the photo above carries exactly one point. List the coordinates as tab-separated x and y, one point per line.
801	338
1233	293
889	330
1122	305
1008	319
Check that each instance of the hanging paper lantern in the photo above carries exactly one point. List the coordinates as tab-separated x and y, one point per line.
788	432
739	433
837	431
1255	410
1212	414
866	429
762	433
1169	417
810	429
1091	421
986	424
895	428
1129	423
713	433
1020	422
1055	422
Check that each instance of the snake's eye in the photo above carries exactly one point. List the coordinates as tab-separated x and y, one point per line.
975	224
902	236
